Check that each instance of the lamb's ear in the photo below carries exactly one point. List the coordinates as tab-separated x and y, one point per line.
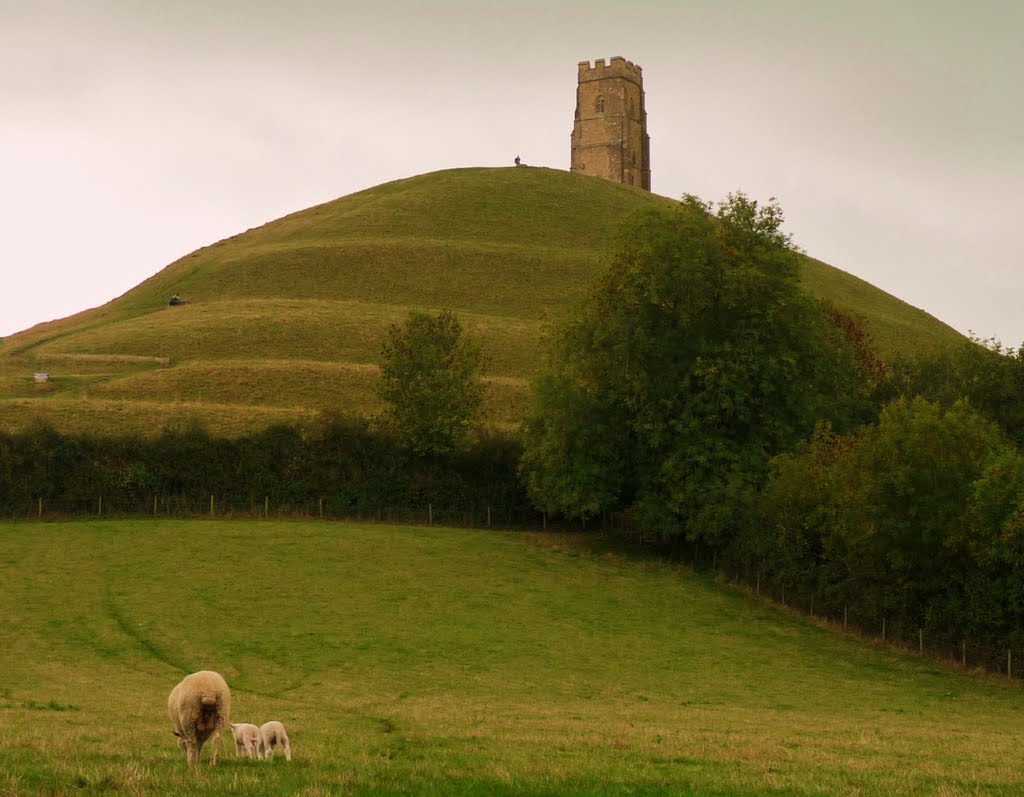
178	734
232	725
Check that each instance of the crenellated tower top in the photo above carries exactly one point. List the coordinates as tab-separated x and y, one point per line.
617	67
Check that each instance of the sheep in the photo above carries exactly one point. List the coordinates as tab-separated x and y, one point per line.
199	707
272	734
247	739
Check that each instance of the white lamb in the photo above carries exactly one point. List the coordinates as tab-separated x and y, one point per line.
273	734
199	707
247	739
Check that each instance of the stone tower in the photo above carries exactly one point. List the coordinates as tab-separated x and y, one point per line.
609	137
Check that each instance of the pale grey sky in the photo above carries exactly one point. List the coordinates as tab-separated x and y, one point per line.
133	132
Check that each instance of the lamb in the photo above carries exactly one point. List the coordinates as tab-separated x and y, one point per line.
272	734
199	707
247	739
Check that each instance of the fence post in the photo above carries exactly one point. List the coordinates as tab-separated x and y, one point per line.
40	507
963	653
100	510
783	594
844	617
266	506
758	582
488	517
321	506
544	515
154	506
1009	663
714	560
883	628
812	605
430	514
211	506
920	640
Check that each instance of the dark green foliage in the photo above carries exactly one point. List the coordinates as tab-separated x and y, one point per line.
916	519
353	468
799	512
189	461
695	360
430	383
912	477
574	460
987	374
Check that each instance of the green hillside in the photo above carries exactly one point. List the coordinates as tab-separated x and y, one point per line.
288	318
436	661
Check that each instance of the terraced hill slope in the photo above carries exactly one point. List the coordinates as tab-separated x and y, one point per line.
286	320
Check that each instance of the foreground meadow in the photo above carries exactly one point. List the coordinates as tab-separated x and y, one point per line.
435	661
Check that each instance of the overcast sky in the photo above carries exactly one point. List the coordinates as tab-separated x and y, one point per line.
133	132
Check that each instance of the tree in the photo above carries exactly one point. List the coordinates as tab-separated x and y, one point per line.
994	586
799	514
430	383
987	374
573	461
917	518
700	358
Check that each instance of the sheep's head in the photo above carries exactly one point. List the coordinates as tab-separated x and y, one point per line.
181	740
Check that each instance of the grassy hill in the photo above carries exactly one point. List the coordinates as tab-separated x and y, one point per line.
286	320
436	661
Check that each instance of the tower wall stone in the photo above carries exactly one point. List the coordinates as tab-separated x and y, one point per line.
609	136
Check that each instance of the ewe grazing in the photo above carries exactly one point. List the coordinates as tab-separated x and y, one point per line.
199	707
273	734
247	739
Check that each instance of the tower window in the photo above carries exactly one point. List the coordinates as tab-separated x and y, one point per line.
599	104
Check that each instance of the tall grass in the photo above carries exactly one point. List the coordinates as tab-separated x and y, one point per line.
433	661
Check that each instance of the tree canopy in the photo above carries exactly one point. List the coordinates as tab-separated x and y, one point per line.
430	383
916	518
987	374
695	359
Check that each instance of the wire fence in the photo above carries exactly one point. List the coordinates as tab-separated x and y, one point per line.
214	506
876	626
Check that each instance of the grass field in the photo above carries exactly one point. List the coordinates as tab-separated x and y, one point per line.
434	661
283	315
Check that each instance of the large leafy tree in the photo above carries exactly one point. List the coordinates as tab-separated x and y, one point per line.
430	383
695	360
